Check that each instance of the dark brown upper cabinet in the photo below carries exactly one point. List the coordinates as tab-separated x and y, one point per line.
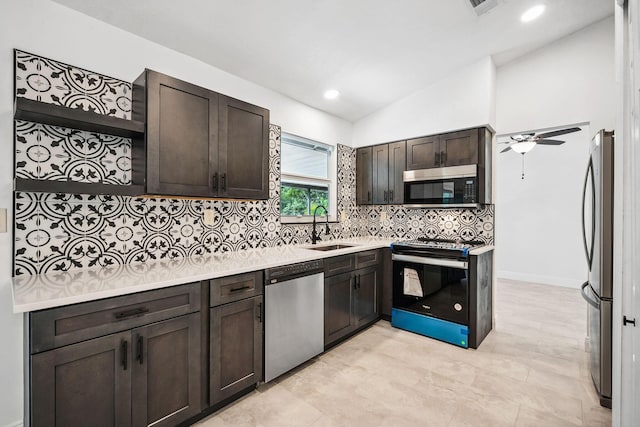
459	148
397	165
364	176
449	149
379	174
200	143
423	153
244	150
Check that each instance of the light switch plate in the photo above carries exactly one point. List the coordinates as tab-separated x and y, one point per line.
383	216
3	220
209	217
343	216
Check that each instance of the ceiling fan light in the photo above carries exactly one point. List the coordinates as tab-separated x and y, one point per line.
523	147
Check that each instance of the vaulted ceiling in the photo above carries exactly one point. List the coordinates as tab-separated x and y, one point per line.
373	51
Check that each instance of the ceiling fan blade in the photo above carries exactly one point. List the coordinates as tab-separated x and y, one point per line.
506	149
557	132
550	142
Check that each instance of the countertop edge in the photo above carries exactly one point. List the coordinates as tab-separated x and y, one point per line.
481	250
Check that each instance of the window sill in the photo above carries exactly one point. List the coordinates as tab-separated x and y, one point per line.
306	220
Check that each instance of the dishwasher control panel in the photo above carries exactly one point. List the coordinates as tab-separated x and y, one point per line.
292	271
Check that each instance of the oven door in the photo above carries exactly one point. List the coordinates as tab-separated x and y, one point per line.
433	287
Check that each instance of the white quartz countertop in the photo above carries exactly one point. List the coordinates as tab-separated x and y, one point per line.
481	250
38	292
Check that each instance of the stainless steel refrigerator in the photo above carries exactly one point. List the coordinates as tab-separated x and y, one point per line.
597	225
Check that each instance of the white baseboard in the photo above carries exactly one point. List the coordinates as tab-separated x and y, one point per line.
545	280
15	424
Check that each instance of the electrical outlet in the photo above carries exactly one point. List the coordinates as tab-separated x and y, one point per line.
209	217
343	216
3	220
383	216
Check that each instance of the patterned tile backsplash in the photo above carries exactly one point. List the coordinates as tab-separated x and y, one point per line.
59	232
55	82
60	154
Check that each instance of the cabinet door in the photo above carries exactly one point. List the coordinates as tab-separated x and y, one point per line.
366	306
397	165
182	137
364	175
459	148
84	384
423	153
380	174
338	307
244	150
236	348
166	371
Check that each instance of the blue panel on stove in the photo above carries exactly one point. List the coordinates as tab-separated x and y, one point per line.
450	332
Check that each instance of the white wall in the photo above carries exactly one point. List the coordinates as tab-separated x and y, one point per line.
51	30
462	100
538	223
538	236
569	81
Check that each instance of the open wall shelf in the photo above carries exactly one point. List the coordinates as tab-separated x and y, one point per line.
46	186
74	118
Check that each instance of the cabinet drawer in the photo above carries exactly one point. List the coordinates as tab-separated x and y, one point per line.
235	288
368	258
339	264
61	326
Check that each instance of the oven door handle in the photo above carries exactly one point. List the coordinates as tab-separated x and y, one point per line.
443	262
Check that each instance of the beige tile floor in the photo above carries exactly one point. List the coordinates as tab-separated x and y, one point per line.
530	371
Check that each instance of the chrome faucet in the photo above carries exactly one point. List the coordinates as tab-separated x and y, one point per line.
315	236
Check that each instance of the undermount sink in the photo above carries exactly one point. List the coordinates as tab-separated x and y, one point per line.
329	247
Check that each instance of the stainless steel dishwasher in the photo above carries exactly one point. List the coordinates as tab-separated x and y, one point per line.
294	316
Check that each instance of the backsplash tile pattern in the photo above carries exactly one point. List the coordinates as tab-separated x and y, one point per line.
60	154
61	232
450	224
55	82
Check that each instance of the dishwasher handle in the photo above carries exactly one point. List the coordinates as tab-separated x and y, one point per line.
294	271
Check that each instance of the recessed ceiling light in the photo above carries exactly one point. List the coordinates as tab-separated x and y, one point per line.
331	94
533	13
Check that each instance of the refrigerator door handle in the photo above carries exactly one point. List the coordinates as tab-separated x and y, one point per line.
595	304
589	250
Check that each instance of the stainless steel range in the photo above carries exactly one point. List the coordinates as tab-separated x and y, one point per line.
431	294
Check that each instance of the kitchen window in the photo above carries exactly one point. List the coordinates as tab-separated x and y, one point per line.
308	178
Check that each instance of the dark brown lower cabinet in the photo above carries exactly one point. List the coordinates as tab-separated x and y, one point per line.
84	384
166	372
366	307
351	301
338	303
235	347
148	375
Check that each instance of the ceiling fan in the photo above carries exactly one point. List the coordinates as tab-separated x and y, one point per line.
523	143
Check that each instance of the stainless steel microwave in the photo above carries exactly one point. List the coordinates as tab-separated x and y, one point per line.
452	187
